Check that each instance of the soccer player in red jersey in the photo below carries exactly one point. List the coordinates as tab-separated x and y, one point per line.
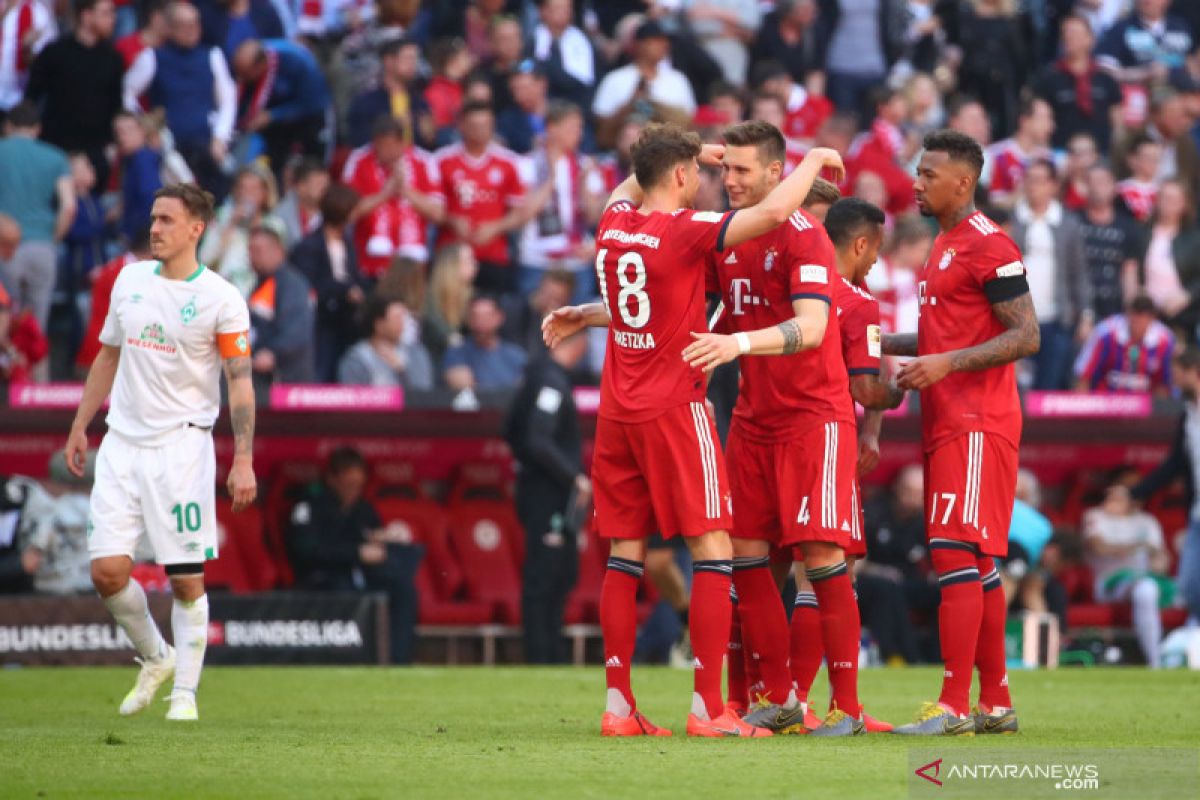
976	319
792	442
657	465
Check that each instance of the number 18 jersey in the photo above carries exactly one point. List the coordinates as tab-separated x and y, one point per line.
650	270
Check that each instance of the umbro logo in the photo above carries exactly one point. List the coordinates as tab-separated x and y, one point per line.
613	662
732	259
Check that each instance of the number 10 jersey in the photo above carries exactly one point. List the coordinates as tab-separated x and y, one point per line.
650	271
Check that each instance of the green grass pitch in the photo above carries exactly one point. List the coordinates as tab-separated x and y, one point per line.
510	732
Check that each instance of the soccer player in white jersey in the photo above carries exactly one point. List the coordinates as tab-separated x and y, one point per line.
171	325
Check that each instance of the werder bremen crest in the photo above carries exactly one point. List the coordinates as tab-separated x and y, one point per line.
188	312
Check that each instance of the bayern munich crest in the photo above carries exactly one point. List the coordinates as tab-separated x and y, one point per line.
946	258
769	261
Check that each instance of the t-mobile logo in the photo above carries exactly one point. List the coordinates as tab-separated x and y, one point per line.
740	288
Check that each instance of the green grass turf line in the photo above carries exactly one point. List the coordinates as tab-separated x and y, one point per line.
510	733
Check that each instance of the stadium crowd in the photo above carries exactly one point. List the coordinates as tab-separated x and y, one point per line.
406	187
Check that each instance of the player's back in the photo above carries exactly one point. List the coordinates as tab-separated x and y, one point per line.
858	320
783	396
649	268
956	313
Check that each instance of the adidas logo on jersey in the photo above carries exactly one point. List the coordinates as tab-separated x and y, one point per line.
613	662
845	526
696	664
732	259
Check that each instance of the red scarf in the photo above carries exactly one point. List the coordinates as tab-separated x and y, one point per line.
1083	85
24	25
262	92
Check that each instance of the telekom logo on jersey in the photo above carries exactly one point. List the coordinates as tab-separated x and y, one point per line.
743	296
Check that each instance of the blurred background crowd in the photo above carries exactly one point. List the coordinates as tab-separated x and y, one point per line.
405	187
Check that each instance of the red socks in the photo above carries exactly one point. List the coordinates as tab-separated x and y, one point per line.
764	625
737	691
840	630
709	623
618	622
959	616
807	644
990	658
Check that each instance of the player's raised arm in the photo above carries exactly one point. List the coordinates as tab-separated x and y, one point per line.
97	388
1020	339
783	200
238	374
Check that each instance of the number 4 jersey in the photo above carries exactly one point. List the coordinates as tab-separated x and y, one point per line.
650	269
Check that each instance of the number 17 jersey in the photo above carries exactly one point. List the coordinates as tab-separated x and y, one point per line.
650	271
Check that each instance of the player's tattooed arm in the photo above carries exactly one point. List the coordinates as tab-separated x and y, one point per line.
899	344
242	485
793	337
1020	339
803	332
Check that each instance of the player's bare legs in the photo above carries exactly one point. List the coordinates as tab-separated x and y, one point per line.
126	601
826	569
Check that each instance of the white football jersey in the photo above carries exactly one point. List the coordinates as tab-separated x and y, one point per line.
173	335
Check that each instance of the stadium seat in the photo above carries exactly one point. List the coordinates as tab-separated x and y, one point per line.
244	538
478	533
583	605
425	522
286	487
438	611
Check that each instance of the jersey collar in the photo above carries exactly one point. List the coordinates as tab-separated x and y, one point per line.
188	279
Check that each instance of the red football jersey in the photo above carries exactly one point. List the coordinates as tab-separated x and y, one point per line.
862	338
394	227
1140	198
782	397
482	190
956	313
651	277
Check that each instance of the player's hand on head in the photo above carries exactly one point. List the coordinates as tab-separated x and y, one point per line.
711	154
710	350
923	372
242	485
561	323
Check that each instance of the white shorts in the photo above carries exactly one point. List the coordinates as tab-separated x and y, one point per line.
167	493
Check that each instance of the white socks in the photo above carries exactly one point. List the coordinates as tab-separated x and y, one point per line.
616	703
131	611
189	624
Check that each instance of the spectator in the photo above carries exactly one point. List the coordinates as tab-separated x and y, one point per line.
396	95
151	34
483	361
38	193
894	279
1084	99
454	271
1082	155
1127	554
478	20
22	503
26	27
102	281
861	38
399	198
805	111
522	124
289	99
1146	44
552	496
1029	532
281	313
524	313
1056	266
885	151
565	53
924	39
788	34
1129	352
82	252
10	239
896	579
1181	463
727	103
926	111
995	59
1171	263
391	354
1139	192
477	88
485	199
1170	126
451	62
724	28
228	24
327	260
571	197
1112	244
225	246
76	80
649	86
141	173
1012	156
23	345
191	82
337	542
507	49
300	208
56	542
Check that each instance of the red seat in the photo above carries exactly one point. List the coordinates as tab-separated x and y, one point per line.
478	532
255	570
583	605
489	484
1116	615
424	521
286	487
438	611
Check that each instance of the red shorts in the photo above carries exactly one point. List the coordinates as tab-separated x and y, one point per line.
797	491
857	546
970	485
666	475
